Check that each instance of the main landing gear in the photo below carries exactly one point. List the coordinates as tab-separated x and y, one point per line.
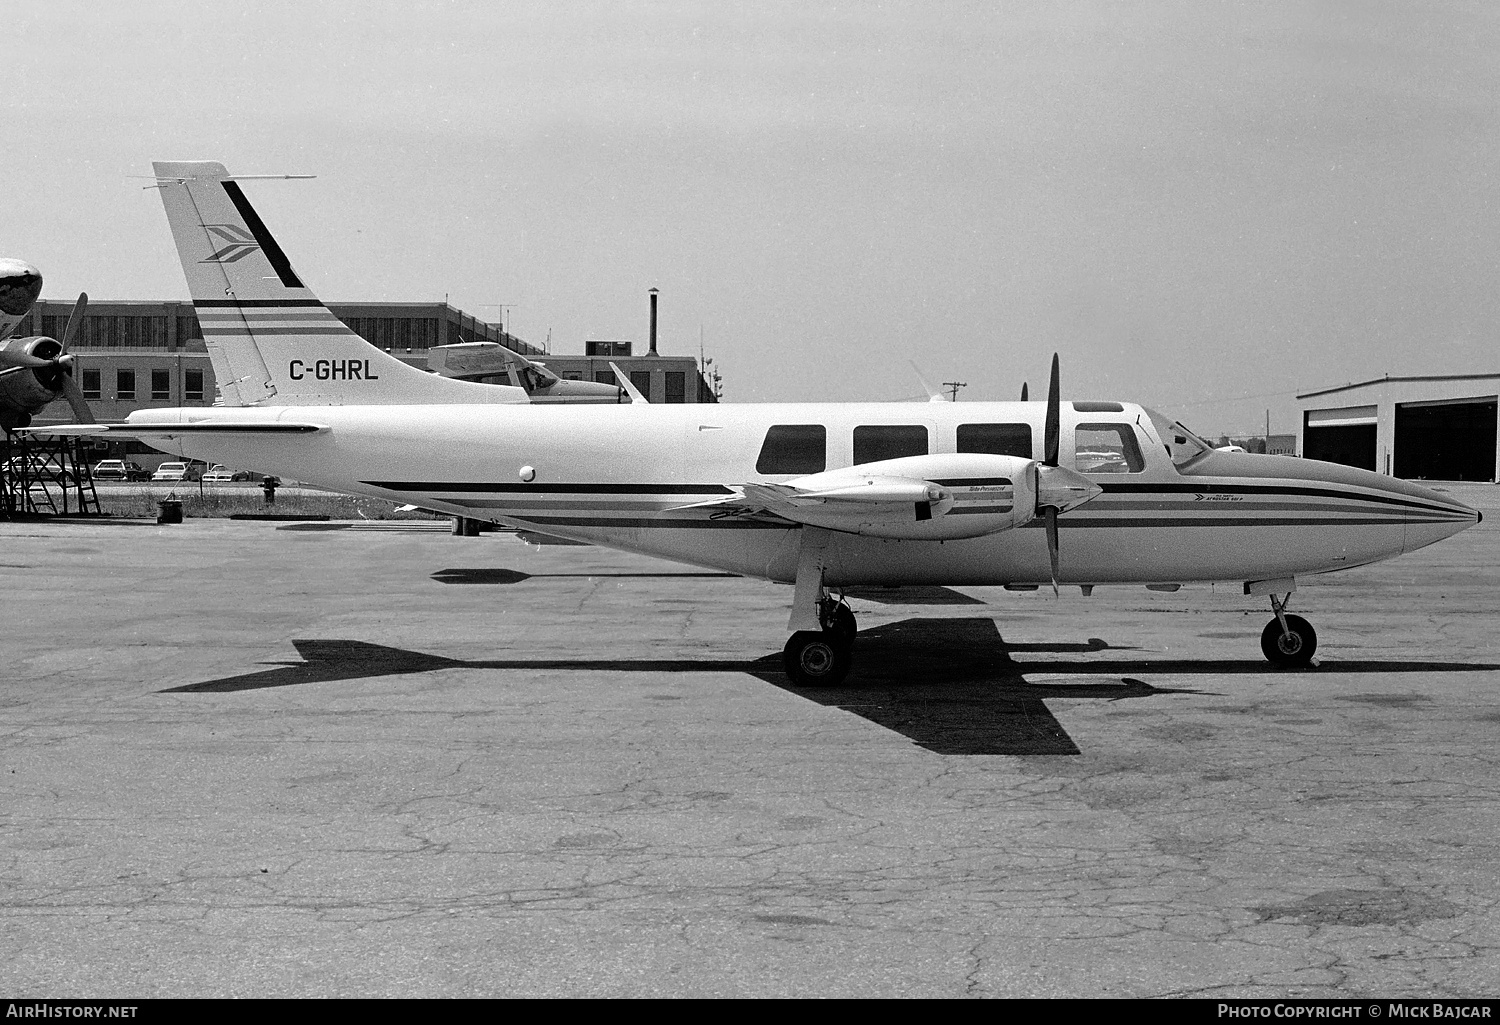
818	654
821	658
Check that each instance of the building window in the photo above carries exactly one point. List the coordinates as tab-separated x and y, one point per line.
193	385
794	448
676	386
642	381
91	384
996	439
161	385
888	441
604	376
125	384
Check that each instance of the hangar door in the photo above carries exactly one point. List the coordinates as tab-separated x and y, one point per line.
1344	435
1449	440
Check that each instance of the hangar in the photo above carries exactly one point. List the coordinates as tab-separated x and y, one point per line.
1418	428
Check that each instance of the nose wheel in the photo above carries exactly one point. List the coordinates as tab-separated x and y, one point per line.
1288	641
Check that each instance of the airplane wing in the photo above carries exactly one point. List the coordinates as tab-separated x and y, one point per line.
169	429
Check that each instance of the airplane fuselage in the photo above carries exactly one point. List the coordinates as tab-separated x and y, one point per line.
621	477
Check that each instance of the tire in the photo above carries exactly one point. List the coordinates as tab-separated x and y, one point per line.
1296	650
815	659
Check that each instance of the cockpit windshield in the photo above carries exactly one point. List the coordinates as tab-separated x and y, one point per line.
1181	444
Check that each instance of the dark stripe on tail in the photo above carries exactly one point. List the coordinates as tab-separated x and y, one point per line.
279	262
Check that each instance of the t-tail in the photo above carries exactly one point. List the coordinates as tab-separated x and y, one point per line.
271	341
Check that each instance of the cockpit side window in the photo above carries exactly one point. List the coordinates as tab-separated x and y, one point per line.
1106	448
794	448
1181	444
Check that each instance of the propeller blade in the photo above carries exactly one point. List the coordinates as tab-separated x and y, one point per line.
1052	545
81	411
1023	392
1054	416
75	320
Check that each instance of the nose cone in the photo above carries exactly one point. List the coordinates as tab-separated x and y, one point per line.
1438	517
1429	515
20	284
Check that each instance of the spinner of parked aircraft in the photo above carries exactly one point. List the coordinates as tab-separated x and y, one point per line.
34	372
824	496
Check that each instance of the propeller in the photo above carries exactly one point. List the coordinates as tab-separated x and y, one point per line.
74	394
1023	392
56	372
1058	489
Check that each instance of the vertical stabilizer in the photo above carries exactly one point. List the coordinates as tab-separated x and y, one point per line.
270	338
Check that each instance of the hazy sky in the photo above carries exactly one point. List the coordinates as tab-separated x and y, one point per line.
1202	206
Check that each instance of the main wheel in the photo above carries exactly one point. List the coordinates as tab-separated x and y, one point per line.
815	659
843	627
1295	648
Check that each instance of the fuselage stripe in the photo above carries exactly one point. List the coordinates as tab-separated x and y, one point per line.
1111	487
466	487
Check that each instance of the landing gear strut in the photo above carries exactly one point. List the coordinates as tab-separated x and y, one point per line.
818	654
1287	640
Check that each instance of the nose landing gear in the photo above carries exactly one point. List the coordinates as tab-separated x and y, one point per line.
1288	641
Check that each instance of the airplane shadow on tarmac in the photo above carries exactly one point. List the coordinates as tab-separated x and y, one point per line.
949	685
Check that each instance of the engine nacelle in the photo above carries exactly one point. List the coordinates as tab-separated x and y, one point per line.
920	498
26	391
20	284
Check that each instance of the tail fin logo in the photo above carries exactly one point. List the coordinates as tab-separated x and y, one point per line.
241	243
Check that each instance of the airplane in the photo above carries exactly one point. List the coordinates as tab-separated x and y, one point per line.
823	496
36	371
491	362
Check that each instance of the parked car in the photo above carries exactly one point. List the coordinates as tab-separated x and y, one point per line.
221	474
175	472
120	469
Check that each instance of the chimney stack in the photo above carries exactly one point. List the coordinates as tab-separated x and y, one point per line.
652	351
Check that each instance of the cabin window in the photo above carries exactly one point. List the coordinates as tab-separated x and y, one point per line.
996	439
794	448
888	441
1106	448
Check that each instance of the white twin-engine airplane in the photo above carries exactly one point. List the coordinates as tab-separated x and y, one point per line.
822	495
